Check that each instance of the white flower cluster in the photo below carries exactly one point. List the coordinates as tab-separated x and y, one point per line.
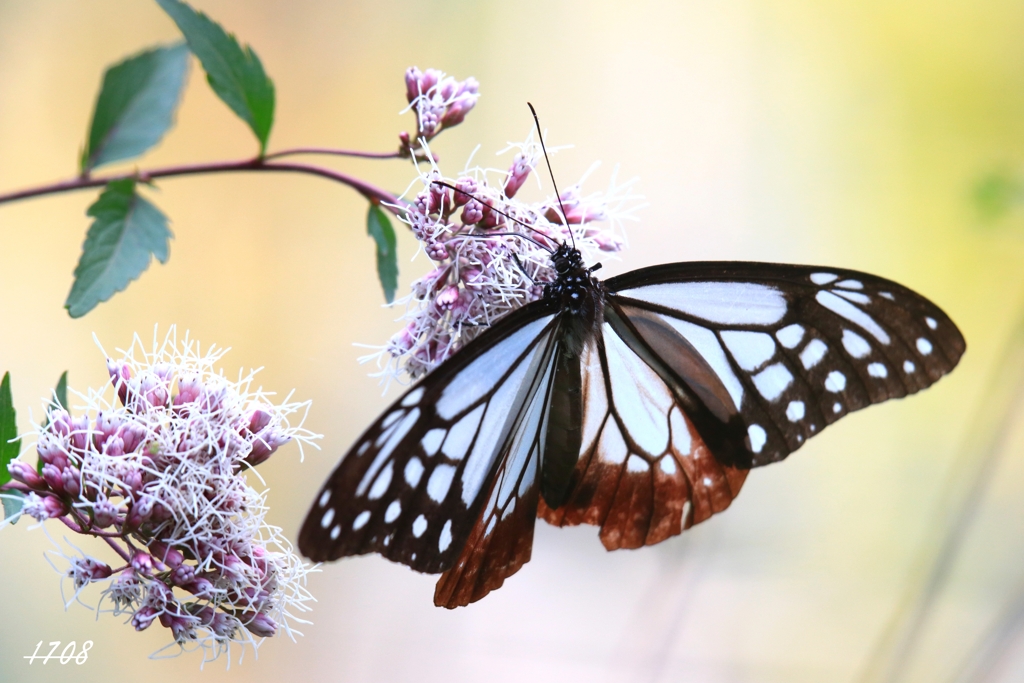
156	466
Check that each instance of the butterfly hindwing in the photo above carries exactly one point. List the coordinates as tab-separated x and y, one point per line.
792	348
644	473
412	487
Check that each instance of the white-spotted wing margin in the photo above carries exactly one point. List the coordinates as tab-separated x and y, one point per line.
412	487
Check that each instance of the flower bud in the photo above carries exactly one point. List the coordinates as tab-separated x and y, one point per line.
26	474
143	618
54	507
60	422
71	481
263	447
517	175
189	390
183	575
120	373
51	451
259	624
142	563
80	433
53	476
104	513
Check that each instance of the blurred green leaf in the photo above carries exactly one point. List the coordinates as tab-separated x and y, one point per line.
379	228
233	71
126	231
136	105
997	193
13	501
8	429
61	391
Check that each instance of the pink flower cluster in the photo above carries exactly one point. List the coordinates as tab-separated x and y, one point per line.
439	101
491	252
158	474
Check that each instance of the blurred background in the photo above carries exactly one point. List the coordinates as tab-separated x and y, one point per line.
877	136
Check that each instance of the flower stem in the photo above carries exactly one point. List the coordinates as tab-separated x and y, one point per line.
333	152
371	192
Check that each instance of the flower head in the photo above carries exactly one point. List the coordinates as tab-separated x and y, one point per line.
491	251
156	464
439	101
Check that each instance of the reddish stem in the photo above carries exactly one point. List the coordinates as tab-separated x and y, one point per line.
371	192
333	152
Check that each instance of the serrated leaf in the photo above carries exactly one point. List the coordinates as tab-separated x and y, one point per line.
136	105
379	228
13	501
127	230
234	71
8	429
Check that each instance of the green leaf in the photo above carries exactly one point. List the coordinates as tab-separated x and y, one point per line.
379	228
61	391
126	232
8	429
13	501
136	105
233	71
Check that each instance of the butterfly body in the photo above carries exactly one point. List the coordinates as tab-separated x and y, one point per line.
636	404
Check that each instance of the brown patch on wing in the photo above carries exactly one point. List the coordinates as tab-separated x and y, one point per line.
637	506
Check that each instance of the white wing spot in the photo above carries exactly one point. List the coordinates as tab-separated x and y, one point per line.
612	448
413	471
727	303
335	532
668	465
931	322
924	346
841	306
362	447
432	441
382	483
851	284
460	436
707	481
823	278
887	295
510	509
361	519
636	464
835	382
908	366
390	419
790	335
446	537
324	497
773	380
490	526
837	407
328	517
413	397
750	349
795	411
440	481
877	370
856	345
419	526
757	436
391	514
856	297
813	353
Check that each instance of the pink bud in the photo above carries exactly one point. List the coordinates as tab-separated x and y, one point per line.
412	83
54	506
183	575
93	569
447	298
71	480
266	443
154	391
142	563
60	422
80	433
104	513
259	624
120	373
143	618
259	419
53	476
437	251
201	588
517	175
26	474
473	212
189	389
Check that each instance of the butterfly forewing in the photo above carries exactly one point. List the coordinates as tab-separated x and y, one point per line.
411	488
793	347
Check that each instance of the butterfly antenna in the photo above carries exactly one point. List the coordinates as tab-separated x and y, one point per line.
499	211
551	173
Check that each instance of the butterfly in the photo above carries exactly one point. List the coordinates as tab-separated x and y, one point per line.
637	404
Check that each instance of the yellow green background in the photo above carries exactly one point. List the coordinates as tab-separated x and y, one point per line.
831	132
